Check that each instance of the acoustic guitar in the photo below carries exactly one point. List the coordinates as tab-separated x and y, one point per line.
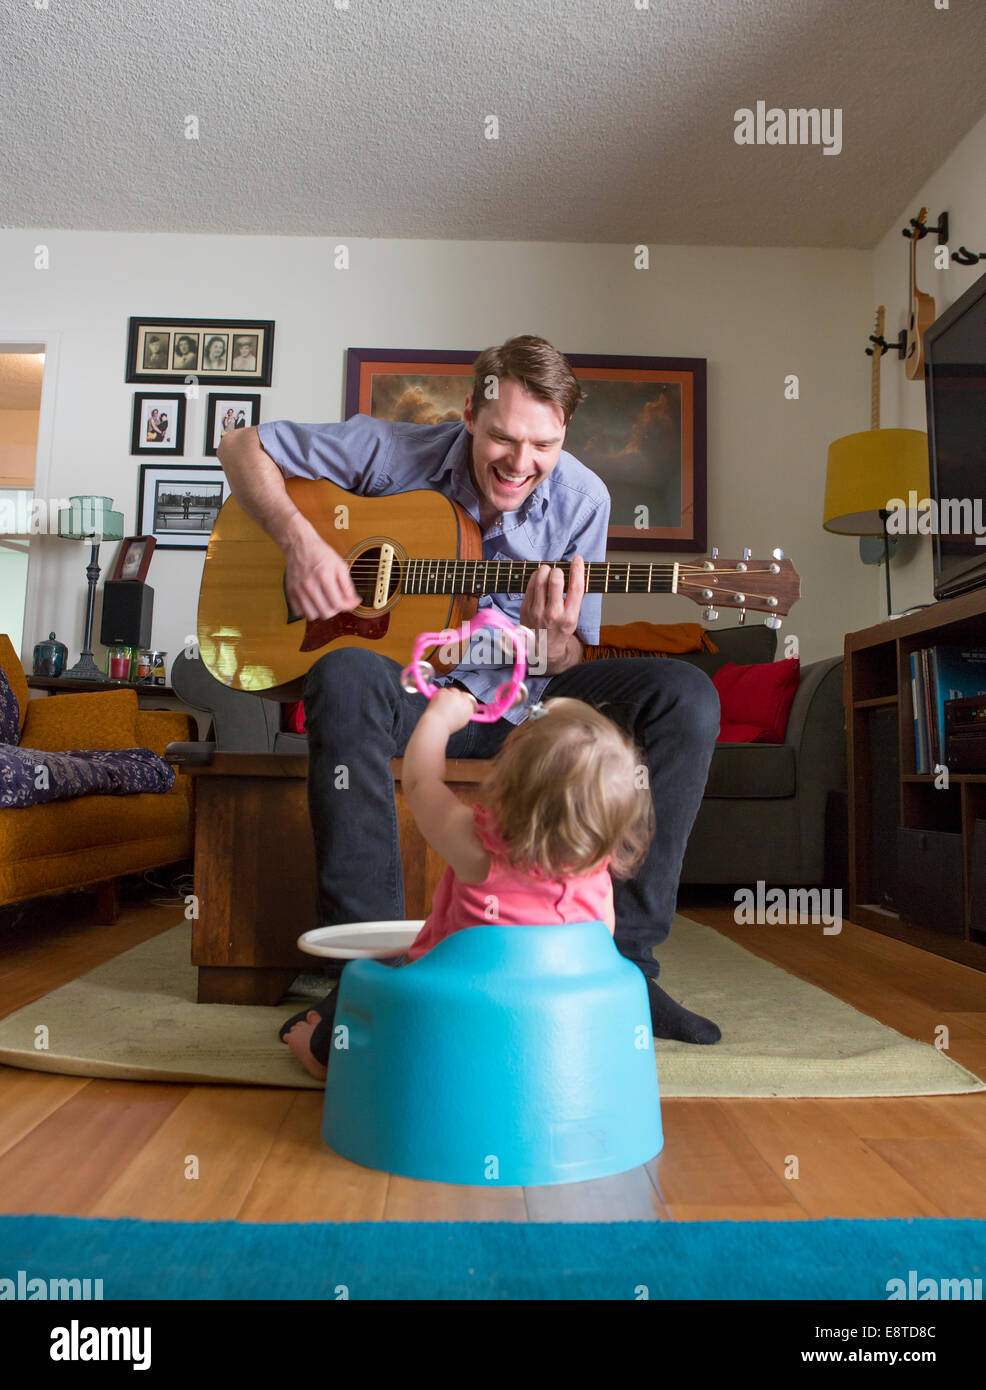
250	640
921	313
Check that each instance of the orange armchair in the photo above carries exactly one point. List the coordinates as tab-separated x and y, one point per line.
93	839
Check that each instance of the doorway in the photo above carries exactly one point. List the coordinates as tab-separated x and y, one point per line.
22	367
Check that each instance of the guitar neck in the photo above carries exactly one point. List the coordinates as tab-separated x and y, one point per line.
875	379
513	576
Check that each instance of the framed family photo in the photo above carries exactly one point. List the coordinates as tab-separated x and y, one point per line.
134	557
178	506
158	423
227	412
641	428
222	352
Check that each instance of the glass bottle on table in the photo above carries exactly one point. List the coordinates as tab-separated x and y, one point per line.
118	661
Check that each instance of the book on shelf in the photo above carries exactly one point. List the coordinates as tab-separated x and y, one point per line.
948	671
917	705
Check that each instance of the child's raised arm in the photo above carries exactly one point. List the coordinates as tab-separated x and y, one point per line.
444	821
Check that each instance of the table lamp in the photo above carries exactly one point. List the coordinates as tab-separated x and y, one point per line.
865	472
90	519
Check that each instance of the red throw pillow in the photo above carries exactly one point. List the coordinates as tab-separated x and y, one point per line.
294	717
755	701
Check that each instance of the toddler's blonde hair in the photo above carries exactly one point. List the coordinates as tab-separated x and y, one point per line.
566	791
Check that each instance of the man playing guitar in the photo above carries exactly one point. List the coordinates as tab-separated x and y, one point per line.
506	466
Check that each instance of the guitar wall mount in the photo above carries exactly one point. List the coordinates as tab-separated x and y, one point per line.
963	256
900	346
921	229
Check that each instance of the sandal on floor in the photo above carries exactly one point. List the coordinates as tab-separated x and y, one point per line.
323	1009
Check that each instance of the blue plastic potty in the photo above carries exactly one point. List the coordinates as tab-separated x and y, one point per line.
512	1056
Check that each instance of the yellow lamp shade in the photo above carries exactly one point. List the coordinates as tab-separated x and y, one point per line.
866	471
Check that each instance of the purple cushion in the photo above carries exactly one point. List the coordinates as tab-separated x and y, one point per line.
29	777
10	714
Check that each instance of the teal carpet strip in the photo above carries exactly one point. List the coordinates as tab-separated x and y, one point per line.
754	1260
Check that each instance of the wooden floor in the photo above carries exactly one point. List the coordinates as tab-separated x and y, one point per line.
117	1148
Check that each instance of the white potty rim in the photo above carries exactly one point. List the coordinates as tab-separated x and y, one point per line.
361	940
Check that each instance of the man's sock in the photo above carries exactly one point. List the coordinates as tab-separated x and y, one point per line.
671	1020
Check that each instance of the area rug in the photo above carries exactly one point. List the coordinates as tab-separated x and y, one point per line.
136	1017
616	1260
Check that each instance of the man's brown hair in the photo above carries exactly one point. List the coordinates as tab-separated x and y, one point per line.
540	369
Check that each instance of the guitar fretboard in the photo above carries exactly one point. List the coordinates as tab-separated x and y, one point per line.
512	577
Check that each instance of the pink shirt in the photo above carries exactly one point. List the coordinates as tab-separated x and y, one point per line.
509	896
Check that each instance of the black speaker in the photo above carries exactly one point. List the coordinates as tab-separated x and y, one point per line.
127	608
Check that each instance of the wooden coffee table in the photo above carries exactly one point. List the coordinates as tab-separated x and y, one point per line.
255	877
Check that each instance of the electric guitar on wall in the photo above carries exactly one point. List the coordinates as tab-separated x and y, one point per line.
250	640
920	313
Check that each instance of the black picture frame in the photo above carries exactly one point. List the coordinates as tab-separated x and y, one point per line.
140	425
217	399
153	356
163	519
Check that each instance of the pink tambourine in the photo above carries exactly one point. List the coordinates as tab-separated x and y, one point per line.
417	678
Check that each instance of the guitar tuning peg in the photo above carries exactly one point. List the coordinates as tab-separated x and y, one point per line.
711	615
741	617
714	552
777	554
747	552
772	621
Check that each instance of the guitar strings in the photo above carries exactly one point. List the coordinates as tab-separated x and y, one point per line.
372	566
637	574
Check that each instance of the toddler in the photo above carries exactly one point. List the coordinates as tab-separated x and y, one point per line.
559	812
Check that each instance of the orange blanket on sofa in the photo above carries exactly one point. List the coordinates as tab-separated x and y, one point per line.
650	639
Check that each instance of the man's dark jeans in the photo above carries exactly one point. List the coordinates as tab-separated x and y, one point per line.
358	718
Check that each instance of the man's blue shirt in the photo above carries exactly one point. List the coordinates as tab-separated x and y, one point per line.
567	514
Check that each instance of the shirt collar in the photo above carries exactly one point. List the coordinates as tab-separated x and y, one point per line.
456	464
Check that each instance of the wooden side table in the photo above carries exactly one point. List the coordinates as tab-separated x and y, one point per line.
255	876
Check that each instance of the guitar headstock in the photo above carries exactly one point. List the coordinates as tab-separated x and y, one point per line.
767	586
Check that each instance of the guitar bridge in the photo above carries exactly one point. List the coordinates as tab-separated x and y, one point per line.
384	567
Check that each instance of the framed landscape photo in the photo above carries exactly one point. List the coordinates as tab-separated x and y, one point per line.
425	388
158	423
641	429
227	412
220	352
178	506
134	557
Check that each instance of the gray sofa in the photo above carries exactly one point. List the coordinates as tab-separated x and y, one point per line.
765	807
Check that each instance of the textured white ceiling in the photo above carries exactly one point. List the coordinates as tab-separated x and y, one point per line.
616	123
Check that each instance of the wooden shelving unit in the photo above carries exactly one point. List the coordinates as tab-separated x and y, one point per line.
877	686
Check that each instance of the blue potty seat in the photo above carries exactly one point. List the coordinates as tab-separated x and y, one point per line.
510	1056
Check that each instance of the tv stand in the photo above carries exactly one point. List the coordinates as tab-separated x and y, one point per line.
880	730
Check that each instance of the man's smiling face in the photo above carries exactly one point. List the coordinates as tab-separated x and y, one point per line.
516	440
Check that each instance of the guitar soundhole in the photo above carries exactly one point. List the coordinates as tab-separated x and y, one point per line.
363	571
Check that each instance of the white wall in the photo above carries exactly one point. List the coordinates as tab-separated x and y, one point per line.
958	188
757	315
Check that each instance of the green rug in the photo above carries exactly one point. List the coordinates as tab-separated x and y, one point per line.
136	1018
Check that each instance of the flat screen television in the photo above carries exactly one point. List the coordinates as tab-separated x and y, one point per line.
955	387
